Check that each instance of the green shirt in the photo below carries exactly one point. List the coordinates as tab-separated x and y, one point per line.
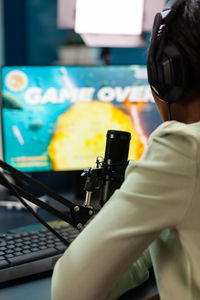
153	219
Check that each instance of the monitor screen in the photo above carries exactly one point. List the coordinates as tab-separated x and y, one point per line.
55	118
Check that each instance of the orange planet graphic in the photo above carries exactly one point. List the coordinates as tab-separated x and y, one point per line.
80	134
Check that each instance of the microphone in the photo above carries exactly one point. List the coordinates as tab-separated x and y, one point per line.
108	176
115	162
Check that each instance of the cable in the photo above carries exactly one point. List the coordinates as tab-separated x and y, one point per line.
4	179
169	110
79	214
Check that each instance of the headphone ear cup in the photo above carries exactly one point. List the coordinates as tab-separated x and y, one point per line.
173	74
174	66
167	70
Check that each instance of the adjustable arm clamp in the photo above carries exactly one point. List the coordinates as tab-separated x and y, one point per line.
79	215
94	181
106	177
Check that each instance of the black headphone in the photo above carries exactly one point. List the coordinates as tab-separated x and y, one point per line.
166	66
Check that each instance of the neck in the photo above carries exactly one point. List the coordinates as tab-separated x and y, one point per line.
187	110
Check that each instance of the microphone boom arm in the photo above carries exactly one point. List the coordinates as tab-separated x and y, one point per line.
107	176
79	215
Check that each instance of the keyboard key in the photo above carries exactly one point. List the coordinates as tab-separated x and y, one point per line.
2	248
34	249
43	230
10	246
19	240
27	242
26	251
50	241
32	233
2	243
18	249
9	255
11	242
42	238
9	251
50	245
61	247
2	235
17	253
19	244
27	238
32	256
43	247
26	248
42	243
3	264
16	236
24	234
34	245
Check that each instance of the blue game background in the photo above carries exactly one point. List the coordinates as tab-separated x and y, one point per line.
36	122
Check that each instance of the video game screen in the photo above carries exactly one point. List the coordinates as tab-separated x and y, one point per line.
55	118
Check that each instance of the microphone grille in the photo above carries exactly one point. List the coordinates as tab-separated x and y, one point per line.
117	146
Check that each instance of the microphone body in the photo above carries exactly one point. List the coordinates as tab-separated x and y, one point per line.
115	162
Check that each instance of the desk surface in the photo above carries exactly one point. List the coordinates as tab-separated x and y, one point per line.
39	288
35	289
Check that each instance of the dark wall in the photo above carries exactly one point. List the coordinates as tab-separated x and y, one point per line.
32	37
15	43
43	36
126	56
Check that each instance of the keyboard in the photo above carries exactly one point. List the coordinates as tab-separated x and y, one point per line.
27	252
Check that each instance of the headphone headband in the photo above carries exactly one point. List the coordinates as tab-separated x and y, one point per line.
174	3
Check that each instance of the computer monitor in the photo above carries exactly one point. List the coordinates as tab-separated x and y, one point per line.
55	118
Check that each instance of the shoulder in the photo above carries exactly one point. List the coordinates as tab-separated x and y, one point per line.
177	128
173	147
176	136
